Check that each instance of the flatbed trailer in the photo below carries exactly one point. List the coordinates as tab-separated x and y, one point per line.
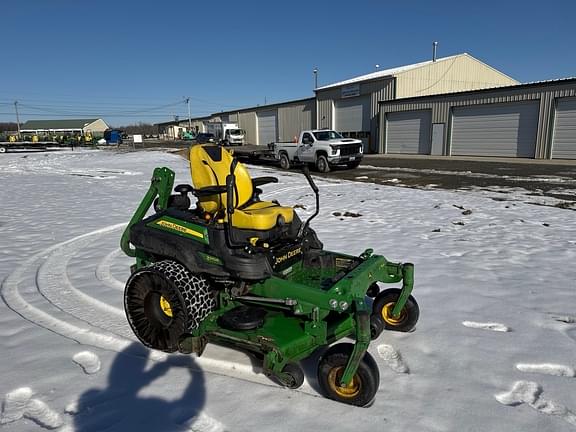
252	152
6	146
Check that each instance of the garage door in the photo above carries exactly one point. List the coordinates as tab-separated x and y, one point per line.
506	130
564	142
408	132
267	127
352	115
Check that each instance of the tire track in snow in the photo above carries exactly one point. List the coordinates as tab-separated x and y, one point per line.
82	335
53	283
216	359
104	272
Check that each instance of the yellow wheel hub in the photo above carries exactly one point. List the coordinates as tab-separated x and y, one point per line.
165	306
391	319
350	391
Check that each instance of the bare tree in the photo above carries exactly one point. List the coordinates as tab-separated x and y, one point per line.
140	128
8	127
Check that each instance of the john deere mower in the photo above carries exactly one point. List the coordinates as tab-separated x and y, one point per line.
236	270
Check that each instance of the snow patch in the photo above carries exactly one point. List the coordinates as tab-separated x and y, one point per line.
88	361
41	413
104	274
486	326
15	404
205	423
547	369
530	393
72	408
392	358
521	392
19	403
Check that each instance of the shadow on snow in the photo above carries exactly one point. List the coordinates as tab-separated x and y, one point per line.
121	407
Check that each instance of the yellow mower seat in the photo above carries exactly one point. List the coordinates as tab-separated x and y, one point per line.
209	166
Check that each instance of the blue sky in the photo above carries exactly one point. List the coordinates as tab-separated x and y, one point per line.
136	61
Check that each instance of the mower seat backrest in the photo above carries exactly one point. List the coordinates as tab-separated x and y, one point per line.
209	166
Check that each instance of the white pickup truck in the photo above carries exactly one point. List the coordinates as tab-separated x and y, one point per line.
323	148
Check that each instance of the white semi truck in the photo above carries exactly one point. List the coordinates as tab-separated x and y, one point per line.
226	133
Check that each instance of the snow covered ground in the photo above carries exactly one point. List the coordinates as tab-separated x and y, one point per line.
495	348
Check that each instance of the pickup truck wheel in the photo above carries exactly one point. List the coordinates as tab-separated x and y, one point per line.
353	165
284	161
322	164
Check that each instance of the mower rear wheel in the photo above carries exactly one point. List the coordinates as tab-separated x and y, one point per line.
364	384
384	304
164	301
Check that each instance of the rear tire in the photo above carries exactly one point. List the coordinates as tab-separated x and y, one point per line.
284	161
322	164
2	149
164	301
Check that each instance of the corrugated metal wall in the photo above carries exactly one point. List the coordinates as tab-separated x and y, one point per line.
457	73
409	132
564	141
378	90
292	119
97	127
325	100
247	121
441	106
504	130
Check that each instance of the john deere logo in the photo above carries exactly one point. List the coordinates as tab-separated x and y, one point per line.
182	228
287	256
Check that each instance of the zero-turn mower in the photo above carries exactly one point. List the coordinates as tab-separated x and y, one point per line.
235	270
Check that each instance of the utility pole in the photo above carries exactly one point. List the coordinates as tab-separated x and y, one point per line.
189	117
17	118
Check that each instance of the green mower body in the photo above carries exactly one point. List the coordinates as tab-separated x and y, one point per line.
277	294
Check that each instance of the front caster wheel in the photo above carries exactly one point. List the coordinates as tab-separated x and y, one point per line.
364	384
377	326
384	305
291	376
164	301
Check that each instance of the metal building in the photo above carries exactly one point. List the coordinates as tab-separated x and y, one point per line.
274	122
352	106
94	126
535	120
